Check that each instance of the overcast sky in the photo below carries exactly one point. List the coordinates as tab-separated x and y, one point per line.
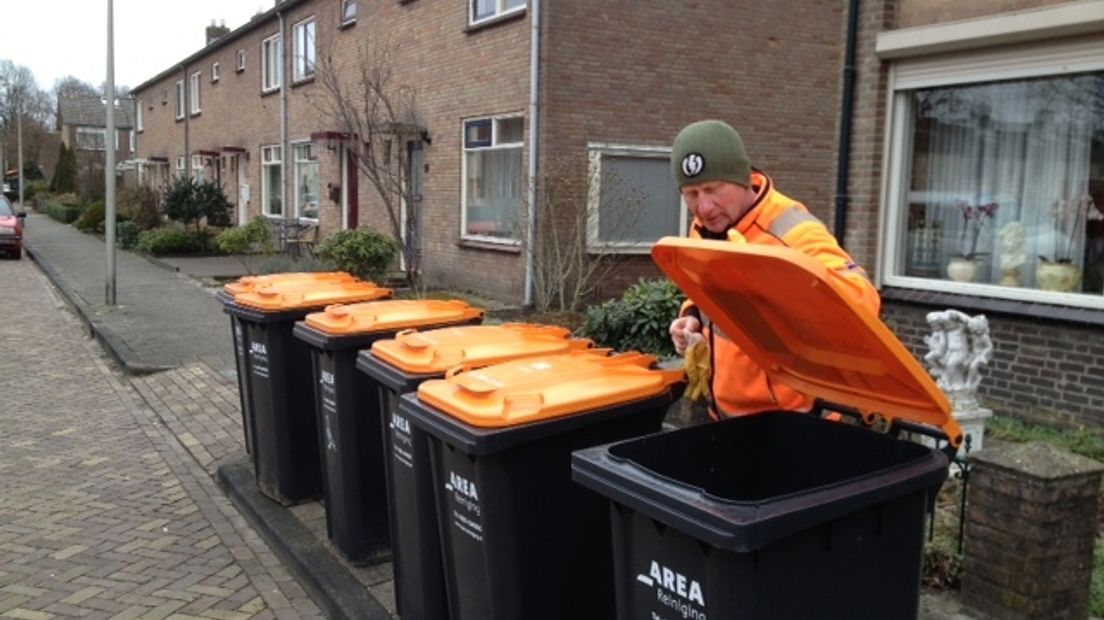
69	37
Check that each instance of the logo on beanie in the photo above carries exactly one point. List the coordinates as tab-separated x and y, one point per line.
692	164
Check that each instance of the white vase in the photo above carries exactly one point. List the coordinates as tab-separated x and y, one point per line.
1060	277
962	269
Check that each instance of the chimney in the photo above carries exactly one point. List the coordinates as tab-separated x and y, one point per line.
215	32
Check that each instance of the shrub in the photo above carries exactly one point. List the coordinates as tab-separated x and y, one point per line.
166	241
126	234
92	218
363	252
142	205
66	214
254	237
65	173
639	320
69	199
190	202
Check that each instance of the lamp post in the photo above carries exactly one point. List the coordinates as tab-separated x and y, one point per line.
109	163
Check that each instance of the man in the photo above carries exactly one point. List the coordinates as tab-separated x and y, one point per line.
732	201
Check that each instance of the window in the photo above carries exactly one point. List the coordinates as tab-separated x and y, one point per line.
996	177
482	10
179	99
633	201
180	170
241	61
348	12
270	61
139	116
91	138
132	140
306	180
304	50
272	181
493	178
193	84
214	72
199	167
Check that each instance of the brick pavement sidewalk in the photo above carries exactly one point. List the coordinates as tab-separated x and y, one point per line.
105	514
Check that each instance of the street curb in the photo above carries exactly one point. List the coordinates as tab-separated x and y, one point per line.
110	343
334	589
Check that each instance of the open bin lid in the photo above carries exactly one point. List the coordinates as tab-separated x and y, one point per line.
792	317
316	295
247	284
545	387
391	315
437	350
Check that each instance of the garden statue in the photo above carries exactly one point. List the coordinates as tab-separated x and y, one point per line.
958	347
1011	238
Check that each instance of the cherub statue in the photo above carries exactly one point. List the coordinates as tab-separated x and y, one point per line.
958	347
981	350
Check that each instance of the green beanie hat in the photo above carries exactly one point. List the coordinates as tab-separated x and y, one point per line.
709	151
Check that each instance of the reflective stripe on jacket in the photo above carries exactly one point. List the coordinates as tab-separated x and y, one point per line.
738	385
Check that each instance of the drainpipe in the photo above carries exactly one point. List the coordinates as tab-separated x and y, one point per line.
187	123
534	132
846	107
285	156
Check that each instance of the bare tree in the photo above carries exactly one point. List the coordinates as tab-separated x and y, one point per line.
22	102
367	101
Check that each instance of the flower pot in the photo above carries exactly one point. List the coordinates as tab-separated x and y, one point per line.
1061	277
962	269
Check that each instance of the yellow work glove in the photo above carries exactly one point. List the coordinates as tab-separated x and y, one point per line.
696	364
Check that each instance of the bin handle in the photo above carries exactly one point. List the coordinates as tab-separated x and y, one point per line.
521	405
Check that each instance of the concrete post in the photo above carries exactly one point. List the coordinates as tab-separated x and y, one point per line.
1030	529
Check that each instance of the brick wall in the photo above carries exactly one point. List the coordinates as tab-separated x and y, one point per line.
1041	371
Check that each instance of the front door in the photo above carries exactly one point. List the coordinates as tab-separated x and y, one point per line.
243	189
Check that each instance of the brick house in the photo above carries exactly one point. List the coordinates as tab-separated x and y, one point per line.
960	105
614	85
82	122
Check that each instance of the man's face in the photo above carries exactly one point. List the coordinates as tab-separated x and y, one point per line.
717	204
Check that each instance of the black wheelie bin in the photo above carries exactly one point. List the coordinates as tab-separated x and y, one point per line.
519	540
780	515
280	383
347	410
398	366
248	284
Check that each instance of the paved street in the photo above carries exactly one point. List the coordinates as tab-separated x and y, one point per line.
104	513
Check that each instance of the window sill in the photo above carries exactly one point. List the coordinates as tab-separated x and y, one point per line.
271	91
1023	309
505	247
302	82
497	20
347	25
195	114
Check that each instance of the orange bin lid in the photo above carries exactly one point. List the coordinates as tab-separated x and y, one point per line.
247	284
793	317
545	387
391	315
299	296
437	350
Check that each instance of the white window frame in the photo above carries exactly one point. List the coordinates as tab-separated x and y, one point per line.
305	51
132	141
346	19
99	144
139	116
181	110
1052	57
271	156
597	154
296	149
500	10
495	145
198	168
240	66
214	72
271	70
194	94
181	170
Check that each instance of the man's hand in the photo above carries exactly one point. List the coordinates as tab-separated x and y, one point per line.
684	331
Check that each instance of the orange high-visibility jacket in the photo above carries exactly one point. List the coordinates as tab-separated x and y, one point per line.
738	385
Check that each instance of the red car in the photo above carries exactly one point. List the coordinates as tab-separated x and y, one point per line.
11	229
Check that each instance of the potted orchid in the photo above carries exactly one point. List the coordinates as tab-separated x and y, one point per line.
963	267
1059	272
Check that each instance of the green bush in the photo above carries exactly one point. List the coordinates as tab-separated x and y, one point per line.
126	234
255	237
167	241
66	214
363	252
92	218
639	320
142	205
65	173
190	202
